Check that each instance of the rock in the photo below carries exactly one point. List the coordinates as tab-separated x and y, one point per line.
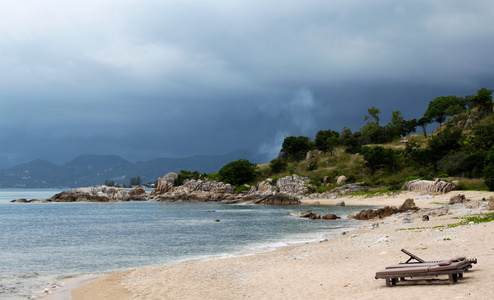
92	194
461	124
330	217
490	204
429	186
409	204
23	200
341	180
470	121
265	188
407	220
137	191
473	204
369	214
325	179
458	198
310	215
341	203
293	184
280	199
425	218
309	155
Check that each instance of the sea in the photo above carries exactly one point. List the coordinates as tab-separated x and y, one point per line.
42	243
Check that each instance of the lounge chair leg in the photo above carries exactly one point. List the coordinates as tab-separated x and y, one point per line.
455	277
460	275
393	281
388	282
452	278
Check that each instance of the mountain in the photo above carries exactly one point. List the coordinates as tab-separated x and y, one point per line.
90	169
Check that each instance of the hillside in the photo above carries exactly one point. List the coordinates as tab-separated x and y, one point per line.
90	170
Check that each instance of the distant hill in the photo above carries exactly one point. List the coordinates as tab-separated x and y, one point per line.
90	169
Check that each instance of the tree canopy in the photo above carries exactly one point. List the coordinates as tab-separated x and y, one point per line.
237	172
295	148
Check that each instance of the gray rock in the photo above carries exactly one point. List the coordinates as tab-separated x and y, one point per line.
341	203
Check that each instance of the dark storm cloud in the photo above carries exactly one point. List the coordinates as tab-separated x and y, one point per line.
144	79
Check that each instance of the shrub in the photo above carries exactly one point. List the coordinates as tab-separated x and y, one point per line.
278	165
312	166
237	172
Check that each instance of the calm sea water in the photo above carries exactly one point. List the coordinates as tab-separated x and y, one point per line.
40	242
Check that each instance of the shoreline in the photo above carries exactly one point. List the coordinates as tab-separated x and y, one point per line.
140	281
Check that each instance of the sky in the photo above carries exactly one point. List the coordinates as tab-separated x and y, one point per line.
145	79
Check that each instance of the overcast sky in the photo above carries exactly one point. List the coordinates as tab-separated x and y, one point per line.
145	79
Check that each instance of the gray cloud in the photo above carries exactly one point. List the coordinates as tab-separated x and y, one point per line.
174	78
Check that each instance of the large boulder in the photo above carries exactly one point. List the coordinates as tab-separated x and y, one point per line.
369	214
294	185
458	198
428	186
165	184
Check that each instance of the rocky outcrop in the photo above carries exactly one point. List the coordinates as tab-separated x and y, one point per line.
310	215
195	190
428	186
279	199
369	214
165	184
339	191
96	194
293	184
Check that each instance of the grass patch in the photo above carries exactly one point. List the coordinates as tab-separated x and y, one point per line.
476	219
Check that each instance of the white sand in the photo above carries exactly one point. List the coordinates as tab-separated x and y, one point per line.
343	268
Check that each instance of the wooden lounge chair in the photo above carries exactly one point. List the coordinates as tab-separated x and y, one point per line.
421	261
452	269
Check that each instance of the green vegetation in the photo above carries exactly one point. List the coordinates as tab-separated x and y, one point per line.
237	172
462	148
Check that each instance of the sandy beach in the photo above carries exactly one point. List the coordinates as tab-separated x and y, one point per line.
343	268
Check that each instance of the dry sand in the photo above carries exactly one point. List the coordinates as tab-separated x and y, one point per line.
343	268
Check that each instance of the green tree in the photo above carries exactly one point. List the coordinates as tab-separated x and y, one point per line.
398	126
378	158
237	172
436	110
278	165
135	181
483	100
444	142
489	169
373	115
423	122
327	140
295	148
